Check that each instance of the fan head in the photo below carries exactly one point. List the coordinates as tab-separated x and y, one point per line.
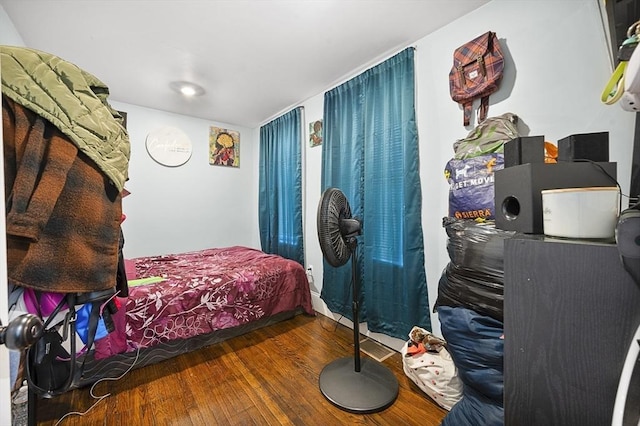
336	228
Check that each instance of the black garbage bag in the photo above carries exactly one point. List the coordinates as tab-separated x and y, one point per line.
474	278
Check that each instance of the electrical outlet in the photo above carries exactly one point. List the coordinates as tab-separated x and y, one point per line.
310	270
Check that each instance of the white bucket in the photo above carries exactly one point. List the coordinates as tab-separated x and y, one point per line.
581	212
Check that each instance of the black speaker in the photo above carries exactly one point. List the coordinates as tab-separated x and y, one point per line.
518	197
523	150
587	146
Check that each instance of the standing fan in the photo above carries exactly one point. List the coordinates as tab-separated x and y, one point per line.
352	385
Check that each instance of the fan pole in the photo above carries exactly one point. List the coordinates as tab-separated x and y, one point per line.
355	305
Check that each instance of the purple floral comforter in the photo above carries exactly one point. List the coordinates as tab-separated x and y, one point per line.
203	291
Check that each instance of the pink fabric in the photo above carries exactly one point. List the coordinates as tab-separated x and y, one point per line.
48	302
130	269
207	290
116	341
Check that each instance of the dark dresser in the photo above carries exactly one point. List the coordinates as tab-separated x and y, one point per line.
570	312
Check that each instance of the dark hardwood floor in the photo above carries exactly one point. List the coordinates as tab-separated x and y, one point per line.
266	377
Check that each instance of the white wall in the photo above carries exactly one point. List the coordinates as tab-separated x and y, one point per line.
313	109
193	206
8	33
557	66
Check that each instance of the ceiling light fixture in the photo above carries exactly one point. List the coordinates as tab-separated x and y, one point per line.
186	88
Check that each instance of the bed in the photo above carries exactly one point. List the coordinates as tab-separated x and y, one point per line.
182	302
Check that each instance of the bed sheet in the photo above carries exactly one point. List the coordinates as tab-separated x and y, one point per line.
204	291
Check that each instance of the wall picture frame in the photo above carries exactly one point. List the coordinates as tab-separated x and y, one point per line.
315	133
224	147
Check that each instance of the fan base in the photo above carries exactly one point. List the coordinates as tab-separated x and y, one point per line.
372	389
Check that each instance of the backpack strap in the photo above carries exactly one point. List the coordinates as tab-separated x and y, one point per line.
460	75
467	107
484	109
94	317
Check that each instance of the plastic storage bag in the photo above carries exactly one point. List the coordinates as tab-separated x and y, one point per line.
471	186
434	372
474	278
487	137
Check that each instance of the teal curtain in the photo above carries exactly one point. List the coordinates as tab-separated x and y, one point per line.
280	186
370	152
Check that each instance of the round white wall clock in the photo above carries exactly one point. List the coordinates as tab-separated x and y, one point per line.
169	146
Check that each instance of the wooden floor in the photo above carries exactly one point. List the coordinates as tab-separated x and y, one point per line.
266	377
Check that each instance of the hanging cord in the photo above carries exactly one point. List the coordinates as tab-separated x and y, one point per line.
613	180
628	268
99	398
334	328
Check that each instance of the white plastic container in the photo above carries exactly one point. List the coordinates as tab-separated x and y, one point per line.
580	212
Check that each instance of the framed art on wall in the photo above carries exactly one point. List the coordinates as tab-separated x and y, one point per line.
315	133
224	147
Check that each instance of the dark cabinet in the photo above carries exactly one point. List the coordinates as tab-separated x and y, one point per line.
570	312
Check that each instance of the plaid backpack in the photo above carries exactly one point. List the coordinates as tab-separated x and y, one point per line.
476	73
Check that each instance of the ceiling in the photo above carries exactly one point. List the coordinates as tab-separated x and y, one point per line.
255	59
